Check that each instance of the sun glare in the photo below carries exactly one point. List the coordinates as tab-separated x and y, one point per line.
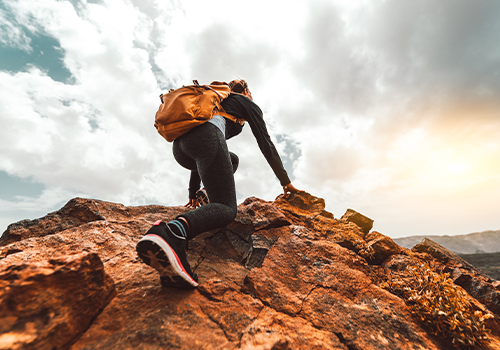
457	168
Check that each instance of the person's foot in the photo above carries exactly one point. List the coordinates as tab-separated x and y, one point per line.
165	250
202	197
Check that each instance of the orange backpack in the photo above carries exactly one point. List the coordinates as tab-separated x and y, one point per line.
189	106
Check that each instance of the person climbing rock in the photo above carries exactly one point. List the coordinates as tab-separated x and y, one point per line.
204	151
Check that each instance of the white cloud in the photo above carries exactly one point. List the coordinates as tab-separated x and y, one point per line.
392	104
12	35
92	136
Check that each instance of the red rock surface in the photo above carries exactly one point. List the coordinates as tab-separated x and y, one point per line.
365	223
284	275
48	305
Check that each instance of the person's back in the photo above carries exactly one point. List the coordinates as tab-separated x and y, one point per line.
204	151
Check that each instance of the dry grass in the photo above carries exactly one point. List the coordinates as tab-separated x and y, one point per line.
439	304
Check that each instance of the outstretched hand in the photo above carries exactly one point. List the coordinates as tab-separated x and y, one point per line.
193	203
289	189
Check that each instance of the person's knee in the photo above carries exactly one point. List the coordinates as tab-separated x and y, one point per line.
235	161
232	213
222	214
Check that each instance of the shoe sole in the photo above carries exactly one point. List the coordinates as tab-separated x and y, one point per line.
202	198
155	252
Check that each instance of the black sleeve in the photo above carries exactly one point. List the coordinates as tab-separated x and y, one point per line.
243	107
194	184
232	129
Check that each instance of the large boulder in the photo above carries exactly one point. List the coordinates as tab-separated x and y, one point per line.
333	288
284	275
48	305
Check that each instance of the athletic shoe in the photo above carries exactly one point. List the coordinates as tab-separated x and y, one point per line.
202	197
164	250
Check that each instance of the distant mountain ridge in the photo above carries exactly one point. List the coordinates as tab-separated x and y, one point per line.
479	242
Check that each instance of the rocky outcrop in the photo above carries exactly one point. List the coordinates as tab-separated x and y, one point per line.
283	275
479	285
75	213
364	222
48	305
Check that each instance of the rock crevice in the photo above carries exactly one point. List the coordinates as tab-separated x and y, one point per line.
285	274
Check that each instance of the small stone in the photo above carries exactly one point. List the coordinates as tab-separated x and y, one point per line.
365	223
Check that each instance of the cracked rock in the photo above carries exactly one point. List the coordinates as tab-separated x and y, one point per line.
279	277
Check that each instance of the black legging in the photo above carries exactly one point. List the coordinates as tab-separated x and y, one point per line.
204	149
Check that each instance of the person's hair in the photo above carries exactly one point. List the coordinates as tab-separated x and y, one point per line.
238	85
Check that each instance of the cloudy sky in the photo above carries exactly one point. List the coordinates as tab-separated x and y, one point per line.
391	107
